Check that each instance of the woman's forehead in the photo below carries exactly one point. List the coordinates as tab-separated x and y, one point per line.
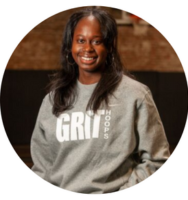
88	25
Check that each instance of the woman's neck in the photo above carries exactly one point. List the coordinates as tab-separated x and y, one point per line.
88	78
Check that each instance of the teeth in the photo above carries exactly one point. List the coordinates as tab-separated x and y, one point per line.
84	58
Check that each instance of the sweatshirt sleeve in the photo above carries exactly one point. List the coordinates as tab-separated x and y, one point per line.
152	148
40	146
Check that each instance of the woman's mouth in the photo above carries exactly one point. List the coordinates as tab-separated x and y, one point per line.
88	60
85	58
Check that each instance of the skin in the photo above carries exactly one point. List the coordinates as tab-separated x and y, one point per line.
88	50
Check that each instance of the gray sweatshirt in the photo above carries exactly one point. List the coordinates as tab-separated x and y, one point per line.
116	148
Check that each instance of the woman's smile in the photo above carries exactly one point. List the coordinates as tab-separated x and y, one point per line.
88	60
88	49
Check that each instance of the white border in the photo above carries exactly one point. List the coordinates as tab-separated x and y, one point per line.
17	18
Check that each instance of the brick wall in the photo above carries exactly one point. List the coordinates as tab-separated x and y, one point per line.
40	48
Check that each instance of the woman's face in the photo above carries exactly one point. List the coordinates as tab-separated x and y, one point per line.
88	49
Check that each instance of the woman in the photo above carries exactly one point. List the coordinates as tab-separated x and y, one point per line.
98	130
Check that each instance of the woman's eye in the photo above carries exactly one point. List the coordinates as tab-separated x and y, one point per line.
80	41
96	42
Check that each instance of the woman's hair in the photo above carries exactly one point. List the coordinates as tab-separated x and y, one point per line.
63	83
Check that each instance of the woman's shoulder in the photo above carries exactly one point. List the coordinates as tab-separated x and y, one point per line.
132	88
131	83
48	100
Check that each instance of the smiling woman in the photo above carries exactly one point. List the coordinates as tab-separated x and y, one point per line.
98	130
88	50
105	68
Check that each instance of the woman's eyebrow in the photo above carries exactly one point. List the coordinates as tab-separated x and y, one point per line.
100	36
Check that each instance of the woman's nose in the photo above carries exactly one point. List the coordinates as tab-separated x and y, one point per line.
88	47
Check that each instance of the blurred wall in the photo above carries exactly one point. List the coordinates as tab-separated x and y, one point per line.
145	50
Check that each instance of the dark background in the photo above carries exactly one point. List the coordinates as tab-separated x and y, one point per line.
22	93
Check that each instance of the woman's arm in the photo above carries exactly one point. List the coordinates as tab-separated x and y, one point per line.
153	148
40	152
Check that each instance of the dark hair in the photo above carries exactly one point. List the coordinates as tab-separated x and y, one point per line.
63	84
